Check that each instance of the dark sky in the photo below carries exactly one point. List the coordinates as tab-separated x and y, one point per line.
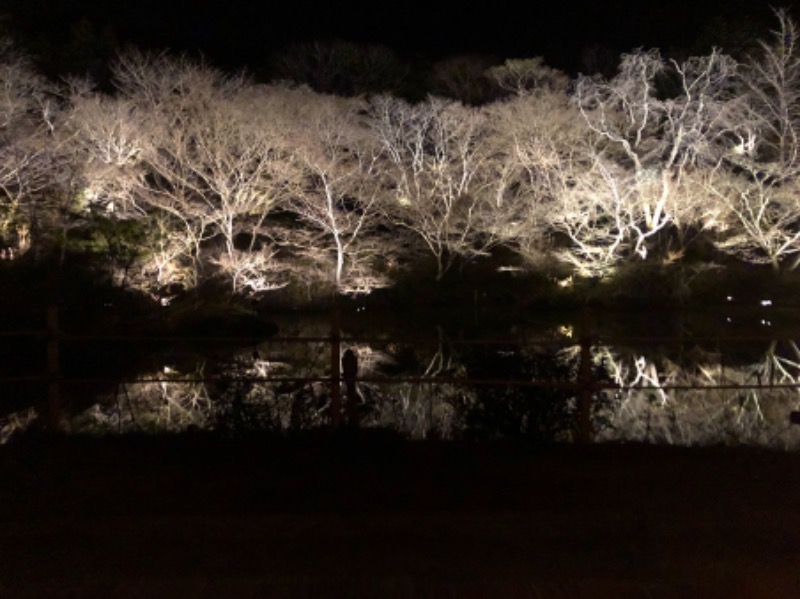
244	32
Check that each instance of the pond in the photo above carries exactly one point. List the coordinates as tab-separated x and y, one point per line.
728	374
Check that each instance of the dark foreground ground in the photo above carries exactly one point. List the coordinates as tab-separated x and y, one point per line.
382	518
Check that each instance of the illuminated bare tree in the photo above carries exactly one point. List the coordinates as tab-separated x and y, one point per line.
435	166
116	135
757	182
597	211
653	122
336	186
170	250
526	76
593	214
109	137
212	154
537	137
27	125
761	218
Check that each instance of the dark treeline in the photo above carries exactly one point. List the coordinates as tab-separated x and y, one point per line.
576	36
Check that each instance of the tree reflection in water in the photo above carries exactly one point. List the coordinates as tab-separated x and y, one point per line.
695	398
445	387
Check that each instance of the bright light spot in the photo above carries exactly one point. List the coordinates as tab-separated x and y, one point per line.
510	269
766	323
766	302
162	300
566	282
729	298
91	195
403	201
566	330
729	319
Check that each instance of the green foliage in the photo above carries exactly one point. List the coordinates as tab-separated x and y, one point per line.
119	243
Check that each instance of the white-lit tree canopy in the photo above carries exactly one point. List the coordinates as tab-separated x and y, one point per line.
262	185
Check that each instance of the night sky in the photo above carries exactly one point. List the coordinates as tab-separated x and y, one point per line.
238	33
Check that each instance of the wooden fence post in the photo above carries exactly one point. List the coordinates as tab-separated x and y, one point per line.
53	417
336	389
350	372
585	381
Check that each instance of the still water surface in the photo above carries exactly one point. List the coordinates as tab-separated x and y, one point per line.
728	374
